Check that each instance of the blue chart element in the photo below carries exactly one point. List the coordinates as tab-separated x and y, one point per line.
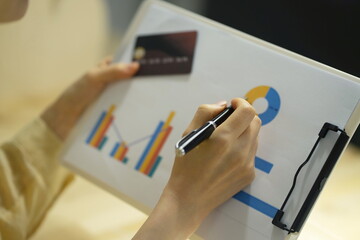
147	149
256	204
113	151
273	99
271	96
93	131
263	165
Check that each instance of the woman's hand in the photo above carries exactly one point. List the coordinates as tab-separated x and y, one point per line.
208	175
63	114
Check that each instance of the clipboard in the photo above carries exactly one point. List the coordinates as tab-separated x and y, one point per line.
309	112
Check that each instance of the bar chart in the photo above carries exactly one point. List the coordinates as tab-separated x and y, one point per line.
150	158
97	137
119	151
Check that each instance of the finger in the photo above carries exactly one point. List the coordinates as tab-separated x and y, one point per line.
105	62
252	153
114	72
250	164
108	60
239	120
203	114
243	146
253	130
249	136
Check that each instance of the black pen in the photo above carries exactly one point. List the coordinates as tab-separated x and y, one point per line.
194	138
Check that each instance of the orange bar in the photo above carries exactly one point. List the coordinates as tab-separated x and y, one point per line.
104	131
119	151
157	151
123	154
102	126
156	143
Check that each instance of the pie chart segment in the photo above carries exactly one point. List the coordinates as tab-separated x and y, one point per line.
271	96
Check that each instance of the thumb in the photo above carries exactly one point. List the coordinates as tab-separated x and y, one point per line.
114	72
204	113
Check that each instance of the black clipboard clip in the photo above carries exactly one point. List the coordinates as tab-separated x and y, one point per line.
319	182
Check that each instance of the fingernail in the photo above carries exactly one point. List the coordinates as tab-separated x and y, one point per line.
221	103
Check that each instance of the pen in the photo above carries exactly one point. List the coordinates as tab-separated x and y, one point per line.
194	138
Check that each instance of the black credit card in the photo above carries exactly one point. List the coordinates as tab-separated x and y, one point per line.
163	54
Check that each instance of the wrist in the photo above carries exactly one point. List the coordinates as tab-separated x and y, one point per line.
172	218
62	115
188	212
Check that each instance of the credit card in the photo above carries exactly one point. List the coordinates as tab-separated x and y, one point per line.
164	54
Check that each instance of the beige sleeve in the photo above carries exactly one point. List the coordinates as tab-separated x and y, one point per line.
30	180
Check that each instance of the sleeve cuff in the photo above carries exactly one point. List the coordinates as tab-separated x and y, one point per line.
39	141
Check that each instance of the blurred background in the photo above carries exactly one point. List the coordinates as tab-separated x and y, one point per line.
58	40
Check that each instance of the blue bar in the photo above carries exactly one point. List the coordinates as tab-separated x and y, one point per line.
273	99
102	143
148	147
263	165
153	169
112	154
256	203
94	130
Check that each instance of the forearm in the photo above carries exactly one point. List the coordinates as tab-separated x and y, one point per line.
30	179
63	114
172	218
30	174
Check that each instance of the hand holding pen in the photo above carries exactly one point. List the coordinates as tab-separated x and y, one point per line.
197	136
209	174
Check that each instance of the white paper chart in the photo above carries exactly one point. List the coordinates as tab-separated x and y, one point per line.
125	142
